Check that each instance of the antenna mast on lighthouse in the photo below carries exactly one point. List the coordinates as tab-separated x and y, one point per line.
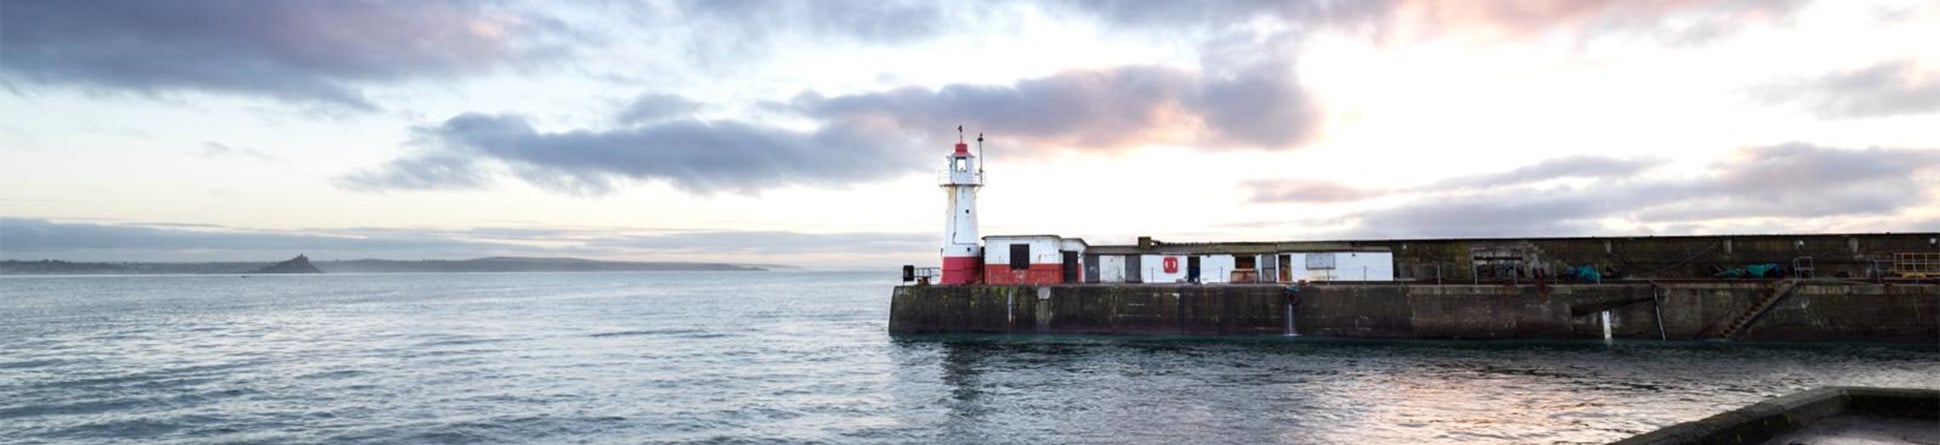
980	158
962	248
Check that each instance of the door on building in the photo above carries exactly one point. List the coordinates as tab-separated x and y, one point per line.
1134	269
1070	274
1286	268
1091	268
1192	269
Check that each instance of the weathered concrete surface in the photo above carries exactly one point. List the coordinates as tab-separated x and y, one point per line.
1864	430
1816	311
1765	421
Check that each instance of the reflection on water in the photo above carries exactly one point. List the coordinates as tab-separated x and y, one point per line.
1338	391
794	357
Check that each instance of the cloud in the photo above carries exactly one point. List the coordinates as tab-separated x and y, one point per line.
777	242
1558	168
887	21
314	52
1891	88
435	171
1315	191
1786	182
1146	14
1259	107
655	106
1803	180
1526	214
742	25
698	156
215	150
23	238
1677	22
34	239
1307	191
862	137
1244	95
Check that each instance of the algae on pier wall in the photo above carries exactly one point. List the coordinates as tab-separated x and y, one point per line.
1816	311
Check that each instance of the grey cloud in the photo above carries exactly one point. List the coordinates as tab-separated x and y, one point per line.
777	242
656	106
1803	180
1594	167
22	238
1525	214
1139	13
216	149
694	155
1783	181
862	137
1307	191
34	239
901	21
874	21
1891	88
436	171
1262	107
317	52
1681	22
1559	168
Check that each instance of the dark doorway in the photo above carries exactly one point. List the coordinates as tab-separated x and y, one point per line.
1091	268
1134	270
1070	274
1020	256
1192	269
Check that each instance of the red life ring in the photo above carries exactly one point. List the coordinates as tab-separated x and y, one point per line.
1171	264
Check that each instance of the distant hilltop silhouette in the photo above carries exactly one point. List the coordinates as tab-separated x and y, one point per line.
300	264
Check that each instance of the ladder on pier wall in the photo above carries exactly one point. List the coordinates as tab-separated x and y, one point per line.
1779	291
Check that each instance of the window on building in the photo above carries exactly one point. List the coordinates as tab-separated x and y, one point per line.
1020	256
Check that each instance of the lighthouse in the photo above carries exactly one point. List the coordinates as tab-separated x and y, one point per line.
962	255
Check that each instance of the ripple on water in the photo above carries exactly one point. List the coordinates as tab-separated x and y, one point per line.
796	358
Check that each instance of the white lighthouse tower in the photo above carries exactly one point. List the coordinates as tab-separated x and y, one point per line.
962	253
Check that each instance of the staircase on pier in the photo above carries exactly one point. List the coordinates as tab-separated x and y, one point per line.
1780	290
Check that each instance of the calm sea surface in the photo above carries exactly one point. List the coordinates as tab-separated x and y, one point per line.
793	357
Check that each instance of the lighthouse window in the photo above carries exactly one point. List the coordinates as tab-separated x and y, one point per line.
962	164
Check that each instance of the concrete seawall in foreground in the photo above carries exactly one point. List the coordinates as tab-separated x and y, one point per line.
1752	310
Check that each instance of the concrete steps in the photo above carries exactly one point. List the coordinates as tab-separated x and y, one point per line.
1779	291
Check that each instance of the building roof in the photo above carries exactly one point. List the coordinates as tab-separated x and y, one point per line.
1023	236
1234	248
1385	245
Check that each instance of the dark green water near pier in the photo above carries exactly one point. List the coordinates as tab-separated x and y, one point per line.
795	358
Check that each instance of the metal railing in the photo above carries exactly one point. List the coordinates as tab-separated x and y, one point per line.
921	275
943	177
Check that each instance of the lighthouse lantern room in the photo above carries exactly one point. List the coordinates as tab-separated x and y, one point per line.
962	253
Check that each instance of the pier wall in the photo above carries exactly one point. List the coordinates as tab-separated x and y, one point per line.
1812	311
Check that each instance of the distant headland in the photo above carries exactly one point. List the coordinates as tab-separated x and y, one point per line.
303	264
300	264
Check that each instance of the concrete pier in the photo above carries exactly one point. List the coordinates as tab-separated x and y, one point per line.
1774	310
1850	415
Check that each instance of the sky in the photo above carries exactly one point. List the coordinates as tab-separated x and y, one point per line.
810	132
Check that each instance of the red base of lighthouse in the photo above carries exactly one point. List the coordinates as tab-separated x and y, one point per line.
962	270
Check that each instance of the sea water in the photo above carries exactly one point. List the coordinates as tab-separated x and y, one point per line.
795	357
